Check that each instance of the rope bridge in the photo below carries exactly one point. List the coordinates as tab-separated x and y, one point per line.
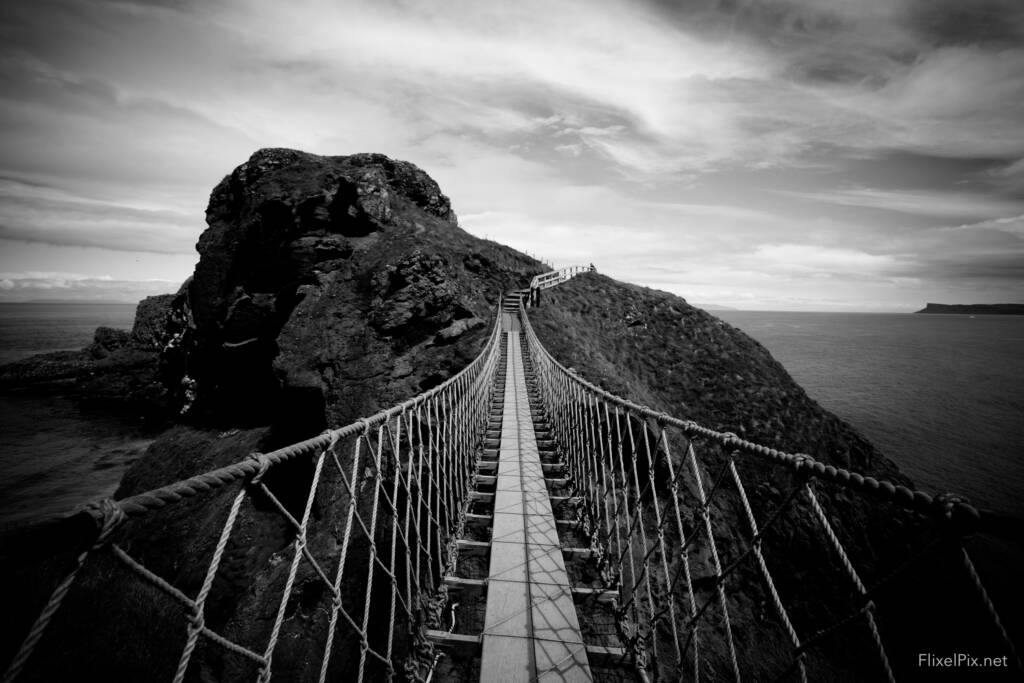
405	474
643	490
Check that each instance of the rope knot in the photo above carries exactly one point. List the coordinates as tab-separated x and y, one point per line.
108	516
957	511
262	463
945	502
802	463
335	438
196	621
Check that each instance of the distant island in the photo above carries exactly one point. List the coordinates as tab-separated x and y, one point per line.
983	309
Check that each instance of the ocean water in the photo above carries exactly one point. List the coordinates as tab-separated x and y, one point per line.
30	328
53	454
941	395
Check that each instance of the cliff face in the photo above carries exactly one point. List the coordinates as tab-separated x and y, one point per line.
974	309
119	369
331	287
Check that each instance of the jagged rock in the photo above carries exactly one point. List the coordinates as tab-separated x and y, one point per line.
457	329
330	267
107	340
150	324
119	369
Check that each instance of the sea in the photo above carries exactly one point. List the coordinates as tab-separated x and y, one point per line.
941	395
55	454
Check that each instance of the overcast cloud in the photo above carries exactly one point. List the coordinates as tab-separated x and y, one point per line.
816	154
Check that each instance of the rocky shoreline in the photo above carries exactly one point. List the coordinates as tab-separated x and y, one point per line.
973	309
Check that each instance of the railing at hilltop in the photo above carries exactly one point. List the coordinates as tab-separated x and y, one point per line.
403	474
646	489
555	277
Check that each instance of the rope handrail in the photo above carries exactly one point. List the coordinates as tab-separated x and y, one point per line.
403	480
400	490
661	553
920	501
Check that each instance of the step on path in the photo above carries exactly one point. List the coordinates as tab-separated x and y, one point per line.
531	631
511	613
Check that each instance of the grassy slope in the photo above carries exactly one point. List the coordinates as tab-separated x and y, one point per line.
655	349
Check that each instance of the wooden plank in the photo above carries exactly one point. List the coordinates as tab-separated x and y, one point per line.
467	646
460	584
531	628
580	594
600	655
474	547
478	520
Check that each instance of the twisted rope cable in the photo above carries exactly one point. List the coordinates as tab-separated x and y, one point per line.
196	623
336	603
965	514
756	545
869	607
989	606
109	516
300	548
463	391
716	562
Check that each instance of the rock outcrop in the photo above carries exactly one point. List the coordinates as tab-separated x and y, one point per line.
118	370
321	280
974	309
327	288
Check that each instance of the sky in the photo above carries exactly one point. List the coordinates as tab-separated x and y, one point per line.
775	155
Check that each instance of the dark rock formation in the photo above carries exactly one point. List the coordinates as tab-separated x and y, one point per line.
974	309
318	275
119	369
150	326
327	289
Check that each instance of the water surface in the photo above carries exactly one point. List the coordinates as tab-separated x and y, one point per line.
942	395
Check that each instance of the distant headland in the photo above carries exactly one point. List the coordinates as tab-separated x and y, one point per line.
974	309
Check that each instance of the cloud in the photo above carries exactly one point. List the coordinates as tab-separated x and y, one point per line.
658	139
921	203
40	286
33	213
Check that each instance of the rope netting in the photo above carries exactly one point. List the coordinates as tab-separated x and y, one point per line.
398	481
683	538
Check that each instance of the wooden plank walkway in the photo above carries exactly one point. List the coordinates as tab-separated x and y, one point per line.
531	631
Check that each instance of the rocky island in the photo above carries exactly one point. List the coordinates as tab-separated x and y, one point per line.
974	309
329	288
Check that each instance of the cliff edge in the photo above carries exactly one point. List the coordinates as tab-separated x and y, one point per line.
974	309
